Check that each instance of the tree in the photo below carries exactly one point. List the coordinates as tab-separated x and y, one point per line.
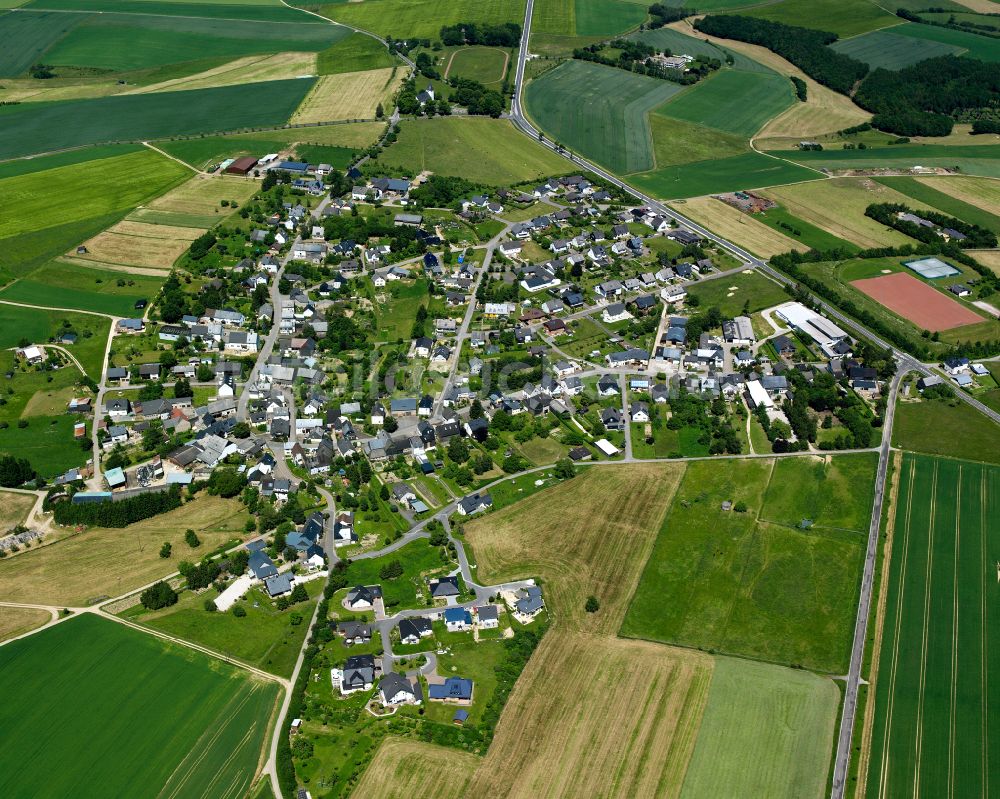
391	570
476	410
458	450
166	549
210	605
191	538
592	605
241	430
159	595
15	471
182	388
390	425
379	111
239	611
299	593
564	469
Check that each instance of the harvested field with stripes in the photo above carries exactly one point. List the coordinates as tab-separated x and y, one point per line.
204	195
935	704
349	95
139	244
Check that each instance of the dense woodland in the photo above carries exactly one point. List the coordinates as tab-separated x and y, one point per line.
920	100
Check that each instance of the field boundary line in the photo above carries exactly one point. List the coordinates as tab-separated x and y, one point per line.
984	504
167	16
172	158
883	766
867	724
928	579
64	310
954	640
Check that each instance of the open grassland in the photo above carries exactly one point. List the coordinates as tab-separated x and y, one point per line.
831	492
644	704
185	724
744	229
935	690
47	443
888	50
679	142
349	95
65	285
15	507
843	17
18	621
123	42
762	96
981	47
266	637
355	53
730	295
989	258
485	64
44	127
586	550
480	149
733	583
747	171
89	189
412	768
104	562
28	35
139	244
607	17
838	207
204	195
806	234
236	10
599	111
971	199
766	731
951	428
972	159
251	69
37	325
422	19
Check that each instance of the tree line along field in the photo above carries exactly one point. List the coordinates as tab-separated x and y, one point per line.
483	150
935	696
135	714
966	198
44	127
903	45
422	19
843	17
778	582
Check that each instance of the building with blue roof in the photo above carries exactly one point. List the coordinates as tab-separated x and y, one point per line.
453	689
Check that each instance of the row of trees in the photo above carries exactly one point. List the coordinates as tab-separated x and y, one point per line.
663	15
506	34
117	514
638	57
977	237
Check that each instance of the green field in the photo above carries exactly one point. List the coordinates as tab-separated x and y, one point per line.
973	159
137	715
747	171
808	234
337	157
679	142
27	36
485	64
422	19
843	17
65	285
599	111
607	17
761	292
40	163
396	317
982	47
121	42
489	151
936	695
889	50
945	203
939	427
17	323
236	11
43	127
419	559
733	583
758	717
356	53
711	102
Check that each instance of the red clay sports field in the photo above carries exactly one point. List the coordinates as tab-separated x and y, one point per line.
906	296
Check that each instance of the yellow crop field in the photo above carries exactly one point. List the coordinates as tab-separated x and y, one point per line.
101	562
349	95
203	194
403	768
145	246
739	227
17	621
129	227
15	507
838	206
982	192
252	69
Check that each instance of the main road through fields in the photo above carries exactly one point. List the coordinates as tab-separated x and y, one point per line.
906	363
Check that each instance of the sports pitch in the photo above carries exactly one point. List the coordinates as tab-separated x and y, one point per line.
103	710
937	698
908	297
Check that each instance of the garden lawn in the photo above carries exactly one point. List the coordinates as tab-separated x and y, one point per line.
729	582
47	442
483	150
266	637
42	127
599	111
396	317
138	715
419	560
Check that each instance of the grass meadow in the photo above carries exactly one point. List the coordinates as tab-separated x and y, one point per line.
843	17
34	324
953	429
749	231
480	149
422	19
973	45
736	584
806	234
270	11
971	159
730	294
485	64
349	95
607	17
43	127
934	697
15	507
354	53
136	714
17	621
